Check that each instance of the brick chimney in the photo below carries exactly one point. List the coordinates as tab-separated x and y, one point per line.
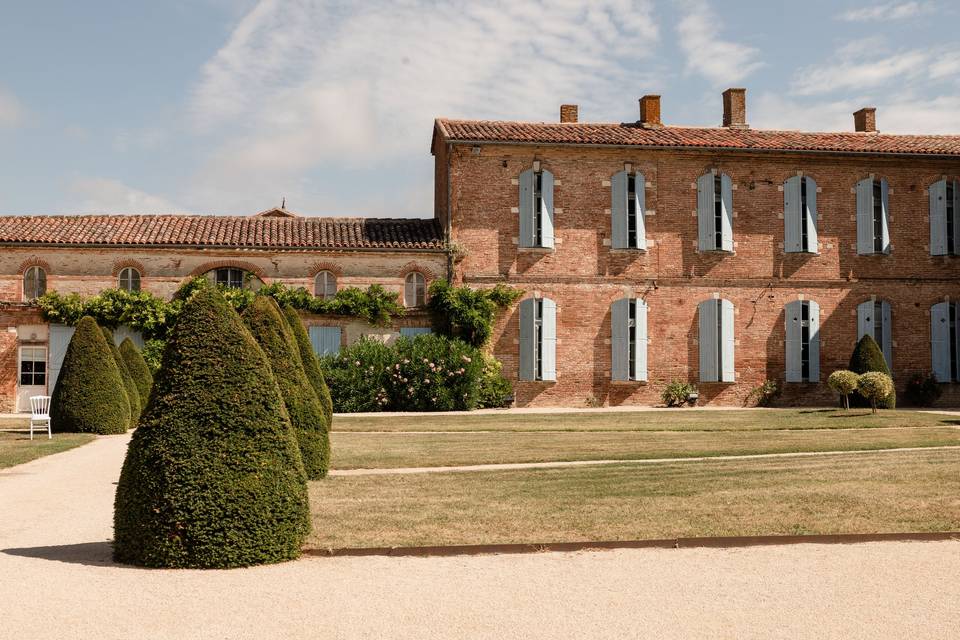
735	108
650	111
568	113
865	120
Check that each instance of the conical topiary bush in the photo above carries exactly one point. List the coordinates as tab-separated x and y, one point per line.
270	330
310	364
89	396
138	369
133	395
867	356
213	476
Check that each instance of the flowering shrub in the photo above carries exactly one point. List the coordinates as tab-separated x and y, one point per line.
427	373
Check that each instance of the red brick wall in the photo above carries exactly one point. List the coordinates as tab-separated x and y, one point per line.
584	275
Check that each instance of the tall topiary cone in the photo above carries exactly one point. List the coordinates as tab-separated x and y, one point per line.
213	476
270	330
138	369
133	395
89	396
867	356
310	365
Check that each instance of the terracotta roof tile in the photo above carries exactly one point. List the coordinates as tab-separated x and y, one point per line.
224	231
632	134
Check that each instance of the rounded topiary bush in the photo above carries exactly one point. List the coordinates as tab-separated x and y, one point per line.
310	364
138	369
133	394
875	387
867	357
213	476
270	330
89	396
843	382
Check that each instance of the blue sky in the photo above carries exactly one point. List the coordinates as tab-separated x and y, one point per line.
225	106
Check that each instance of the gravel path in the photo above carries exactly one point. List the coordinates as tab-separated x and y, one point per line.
57	581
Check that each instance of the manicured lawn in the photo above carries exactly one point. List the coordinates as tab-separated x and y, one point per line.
386	450
866	493
680	419
17	448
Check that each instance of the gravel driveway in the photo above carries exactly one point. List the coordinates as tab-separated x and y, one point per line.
57	581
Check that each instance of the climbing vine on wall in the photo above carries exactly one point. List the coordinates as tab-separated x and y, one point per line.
467	313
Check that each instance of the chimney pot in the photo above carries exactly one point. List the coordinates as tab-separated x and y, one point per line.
865	120
568	112
650	111
735	108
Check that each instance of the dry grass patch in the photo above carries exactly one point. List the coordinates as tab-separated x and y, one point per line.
392	450
17	448
866	493
679	420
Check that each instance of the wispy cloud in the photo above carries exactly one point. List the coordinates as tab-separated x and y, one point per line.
845	73
105	195
12	112
301	84
887	12
719	61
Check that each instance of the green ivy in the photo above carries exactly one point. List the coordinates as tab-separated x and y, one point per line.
467	313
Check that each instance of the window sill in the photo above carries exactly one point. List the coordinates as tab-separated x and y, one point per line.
629	383
720	251
627	250
535	249
801	253
538	381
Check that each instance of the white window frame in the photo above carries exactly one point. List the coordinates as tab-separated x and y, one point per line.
46	373
35	277
415	287
325	284
230	279
126	279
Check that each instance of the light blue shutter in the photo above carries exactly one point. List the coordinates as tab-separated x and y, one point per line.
955	249
887	345
865	320
726	222
865	216
814	344
885	219
811	215
792	217
618	209
727	341
325	340
938	218
413	332
548	334
527	346
620	339
708	341
546	195
640	366
527	179
793	314
705	213
940	340
641	187
60	336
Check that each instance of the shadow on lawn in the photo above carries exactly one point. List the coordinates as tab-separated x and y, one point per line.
96	554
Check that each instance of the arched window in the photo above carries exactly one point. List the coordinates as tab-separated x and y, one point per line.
229	277
129	279
415	290
34	283
325	285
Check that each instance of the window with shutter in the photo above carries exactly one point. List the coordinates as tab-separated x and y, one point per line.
413	332
800	215
627	209
716	331
325	340
802	341
715	212
875	318
628	327
873	216
944	210
536	209
538	339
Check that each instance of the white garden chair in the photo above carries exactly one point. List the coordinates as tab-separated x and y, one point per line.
40	414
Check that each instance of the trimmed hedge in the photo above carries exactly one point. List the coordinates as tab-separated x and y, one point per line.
270	330
310	364
133	394
89	396
213	476
867	356
138	369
